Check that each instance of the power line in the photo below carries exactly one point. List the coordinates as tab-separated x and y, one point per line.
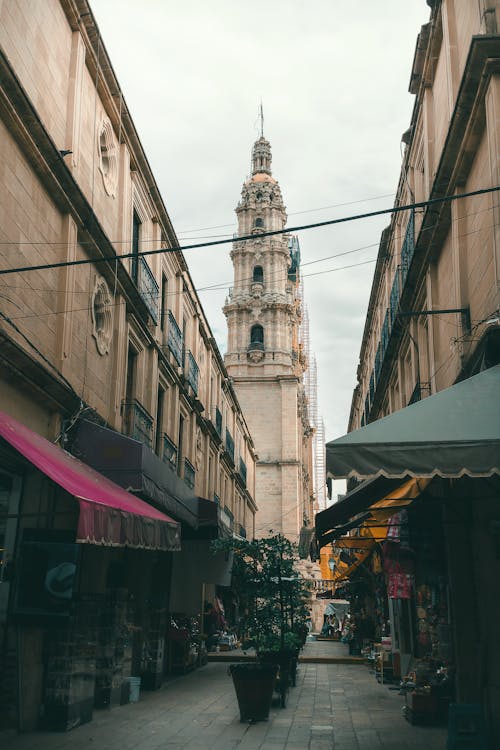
251	237
222	285
296	213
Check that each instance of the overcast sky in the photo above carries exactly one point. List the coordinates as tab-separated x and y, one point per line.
333	78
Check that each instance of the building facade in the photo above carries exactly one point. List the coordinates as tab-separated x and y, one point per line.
264	357
433	320
105	352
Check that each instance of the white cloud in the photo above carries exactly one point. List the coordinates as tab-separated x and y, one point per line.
333	78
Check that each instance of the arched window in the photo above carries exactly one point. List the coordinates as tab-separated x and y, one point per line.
259	222
258	274
257	335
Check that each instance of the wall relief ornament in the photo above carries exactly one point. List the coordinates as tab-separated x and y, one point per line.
255	355
102	319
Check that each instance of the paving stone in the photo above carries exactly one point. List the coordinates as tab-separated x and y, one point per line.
334	707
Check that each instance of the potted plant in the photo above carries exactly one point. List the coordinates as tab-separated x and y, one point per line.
272	596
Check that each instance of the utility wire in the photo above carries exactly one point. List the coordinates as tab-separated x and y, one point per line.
251	237
222	285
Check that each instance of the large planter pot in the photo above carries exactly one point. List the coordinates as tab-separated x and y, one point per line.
254	685
286	660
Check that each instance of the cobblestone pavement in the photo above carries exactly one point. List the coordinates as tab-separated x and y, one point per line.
332	707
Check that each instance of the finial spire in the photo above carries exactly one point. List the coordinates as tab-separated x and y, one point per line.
261	120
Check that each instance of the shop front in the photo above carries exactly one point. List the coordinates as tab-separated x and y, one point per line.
196	572
448	552
85	571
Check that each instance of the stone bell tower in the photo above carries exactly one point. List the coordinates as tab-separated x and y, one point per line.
264	358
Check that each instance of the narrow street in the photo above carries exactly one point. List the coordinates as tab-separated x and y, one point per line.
337	706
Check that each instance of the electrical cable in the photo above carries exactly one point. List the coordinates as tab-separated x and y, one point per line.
295	213
252	237
223	285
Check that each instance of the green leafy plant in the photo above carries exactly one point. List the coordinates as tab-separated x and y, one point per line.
271	592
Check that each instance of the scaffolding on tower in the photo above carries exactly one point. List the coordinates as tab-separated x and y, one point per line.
311	391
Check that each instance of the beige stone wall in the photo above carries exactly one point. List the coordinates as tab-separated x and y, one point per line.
52	356
36	37
457	246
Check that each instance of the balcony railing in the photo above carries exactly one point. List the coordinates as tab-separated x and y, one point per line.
416	395
408	247
138	423
193	373
407	252
189	473
243	471
227	517
169	452
321	585
230	445
218	421
148	288
174	339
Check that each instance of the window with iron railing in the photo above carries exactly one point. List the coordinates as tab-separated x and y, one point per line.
148	287
408	247
242	532
230	445
138	423
394	298
193	373
189	473
416	395
169	452
378	362
227	517
243	471
174	338
218	421
216	498
372	388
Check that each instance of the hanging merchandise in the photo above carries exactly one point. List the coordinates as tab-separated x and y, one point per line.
400	585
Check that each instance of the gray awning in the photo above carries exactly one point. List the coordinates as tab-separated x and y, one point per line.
453	433
356	501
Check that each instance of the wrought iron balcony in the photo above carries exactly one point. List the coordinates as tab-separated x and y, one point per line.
138	423
147	286
174	339
416	395
398	284
193	373
218	422
227	517
230	445
242	469
169	452
189	473
408	247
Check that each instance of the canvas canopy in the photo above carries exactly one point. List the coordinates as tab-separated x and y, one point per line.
109	515
453	433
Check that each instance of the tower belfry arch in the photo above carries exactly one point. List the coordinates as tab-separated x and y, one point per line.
264	357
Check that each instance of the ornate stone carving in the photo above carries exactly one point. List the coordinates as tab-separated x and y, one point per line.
255	355
102	318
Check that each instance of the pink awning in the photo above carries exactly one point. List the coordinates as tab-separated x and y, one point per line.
109	515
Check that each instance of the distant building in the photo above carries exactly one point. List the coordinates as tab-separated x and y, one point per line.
264	358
